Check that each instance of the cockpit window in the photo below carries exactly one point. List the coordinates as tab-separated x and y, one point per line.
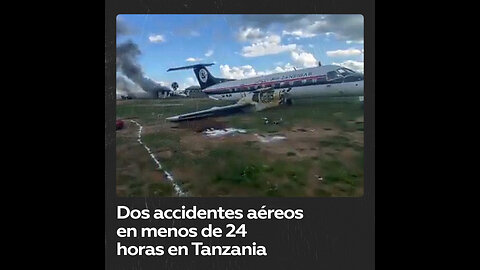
332	75
344	71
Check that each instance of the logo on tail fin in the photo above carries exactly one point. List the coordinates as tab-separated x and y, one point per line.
203	75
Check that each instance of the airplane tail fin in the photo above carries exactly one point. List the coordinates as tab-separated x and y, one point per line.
204	77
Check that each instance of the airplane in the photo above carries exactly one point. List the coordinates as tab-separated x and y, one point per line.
268	91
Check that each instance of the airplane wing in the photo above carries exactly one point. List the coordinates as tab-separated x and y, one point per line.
260	99
214	111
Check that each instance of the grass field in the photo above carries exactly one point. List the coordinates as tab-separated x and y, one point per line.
322	154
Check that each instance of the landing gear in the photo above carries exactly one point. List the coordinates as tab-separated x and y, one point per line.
285	100
285	97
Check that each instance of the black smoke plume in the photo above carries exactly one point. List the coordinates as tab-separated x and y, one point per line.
127	64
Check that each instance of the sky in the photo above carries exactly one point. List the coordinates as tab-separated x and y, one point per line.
241	46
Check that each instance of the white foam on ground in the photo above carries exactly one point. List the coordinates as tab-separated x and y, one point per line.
269	139
177	188
222	132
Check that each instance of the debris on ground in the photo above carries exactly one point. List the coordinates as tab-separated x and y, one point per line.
266	121
119	124
303	130
202	124
268	139
211	132
278	121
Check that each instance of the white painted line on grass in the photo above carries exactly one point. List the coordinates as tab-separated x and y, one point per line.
177	188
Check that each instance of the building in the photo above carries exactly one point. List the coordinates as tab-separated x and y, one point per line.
195	92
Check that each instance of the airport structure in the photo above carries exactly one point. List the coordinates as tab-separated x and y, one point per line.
195	92
154	94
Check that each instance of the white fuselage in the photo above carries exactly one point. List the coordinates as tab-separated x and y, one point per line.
323	81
